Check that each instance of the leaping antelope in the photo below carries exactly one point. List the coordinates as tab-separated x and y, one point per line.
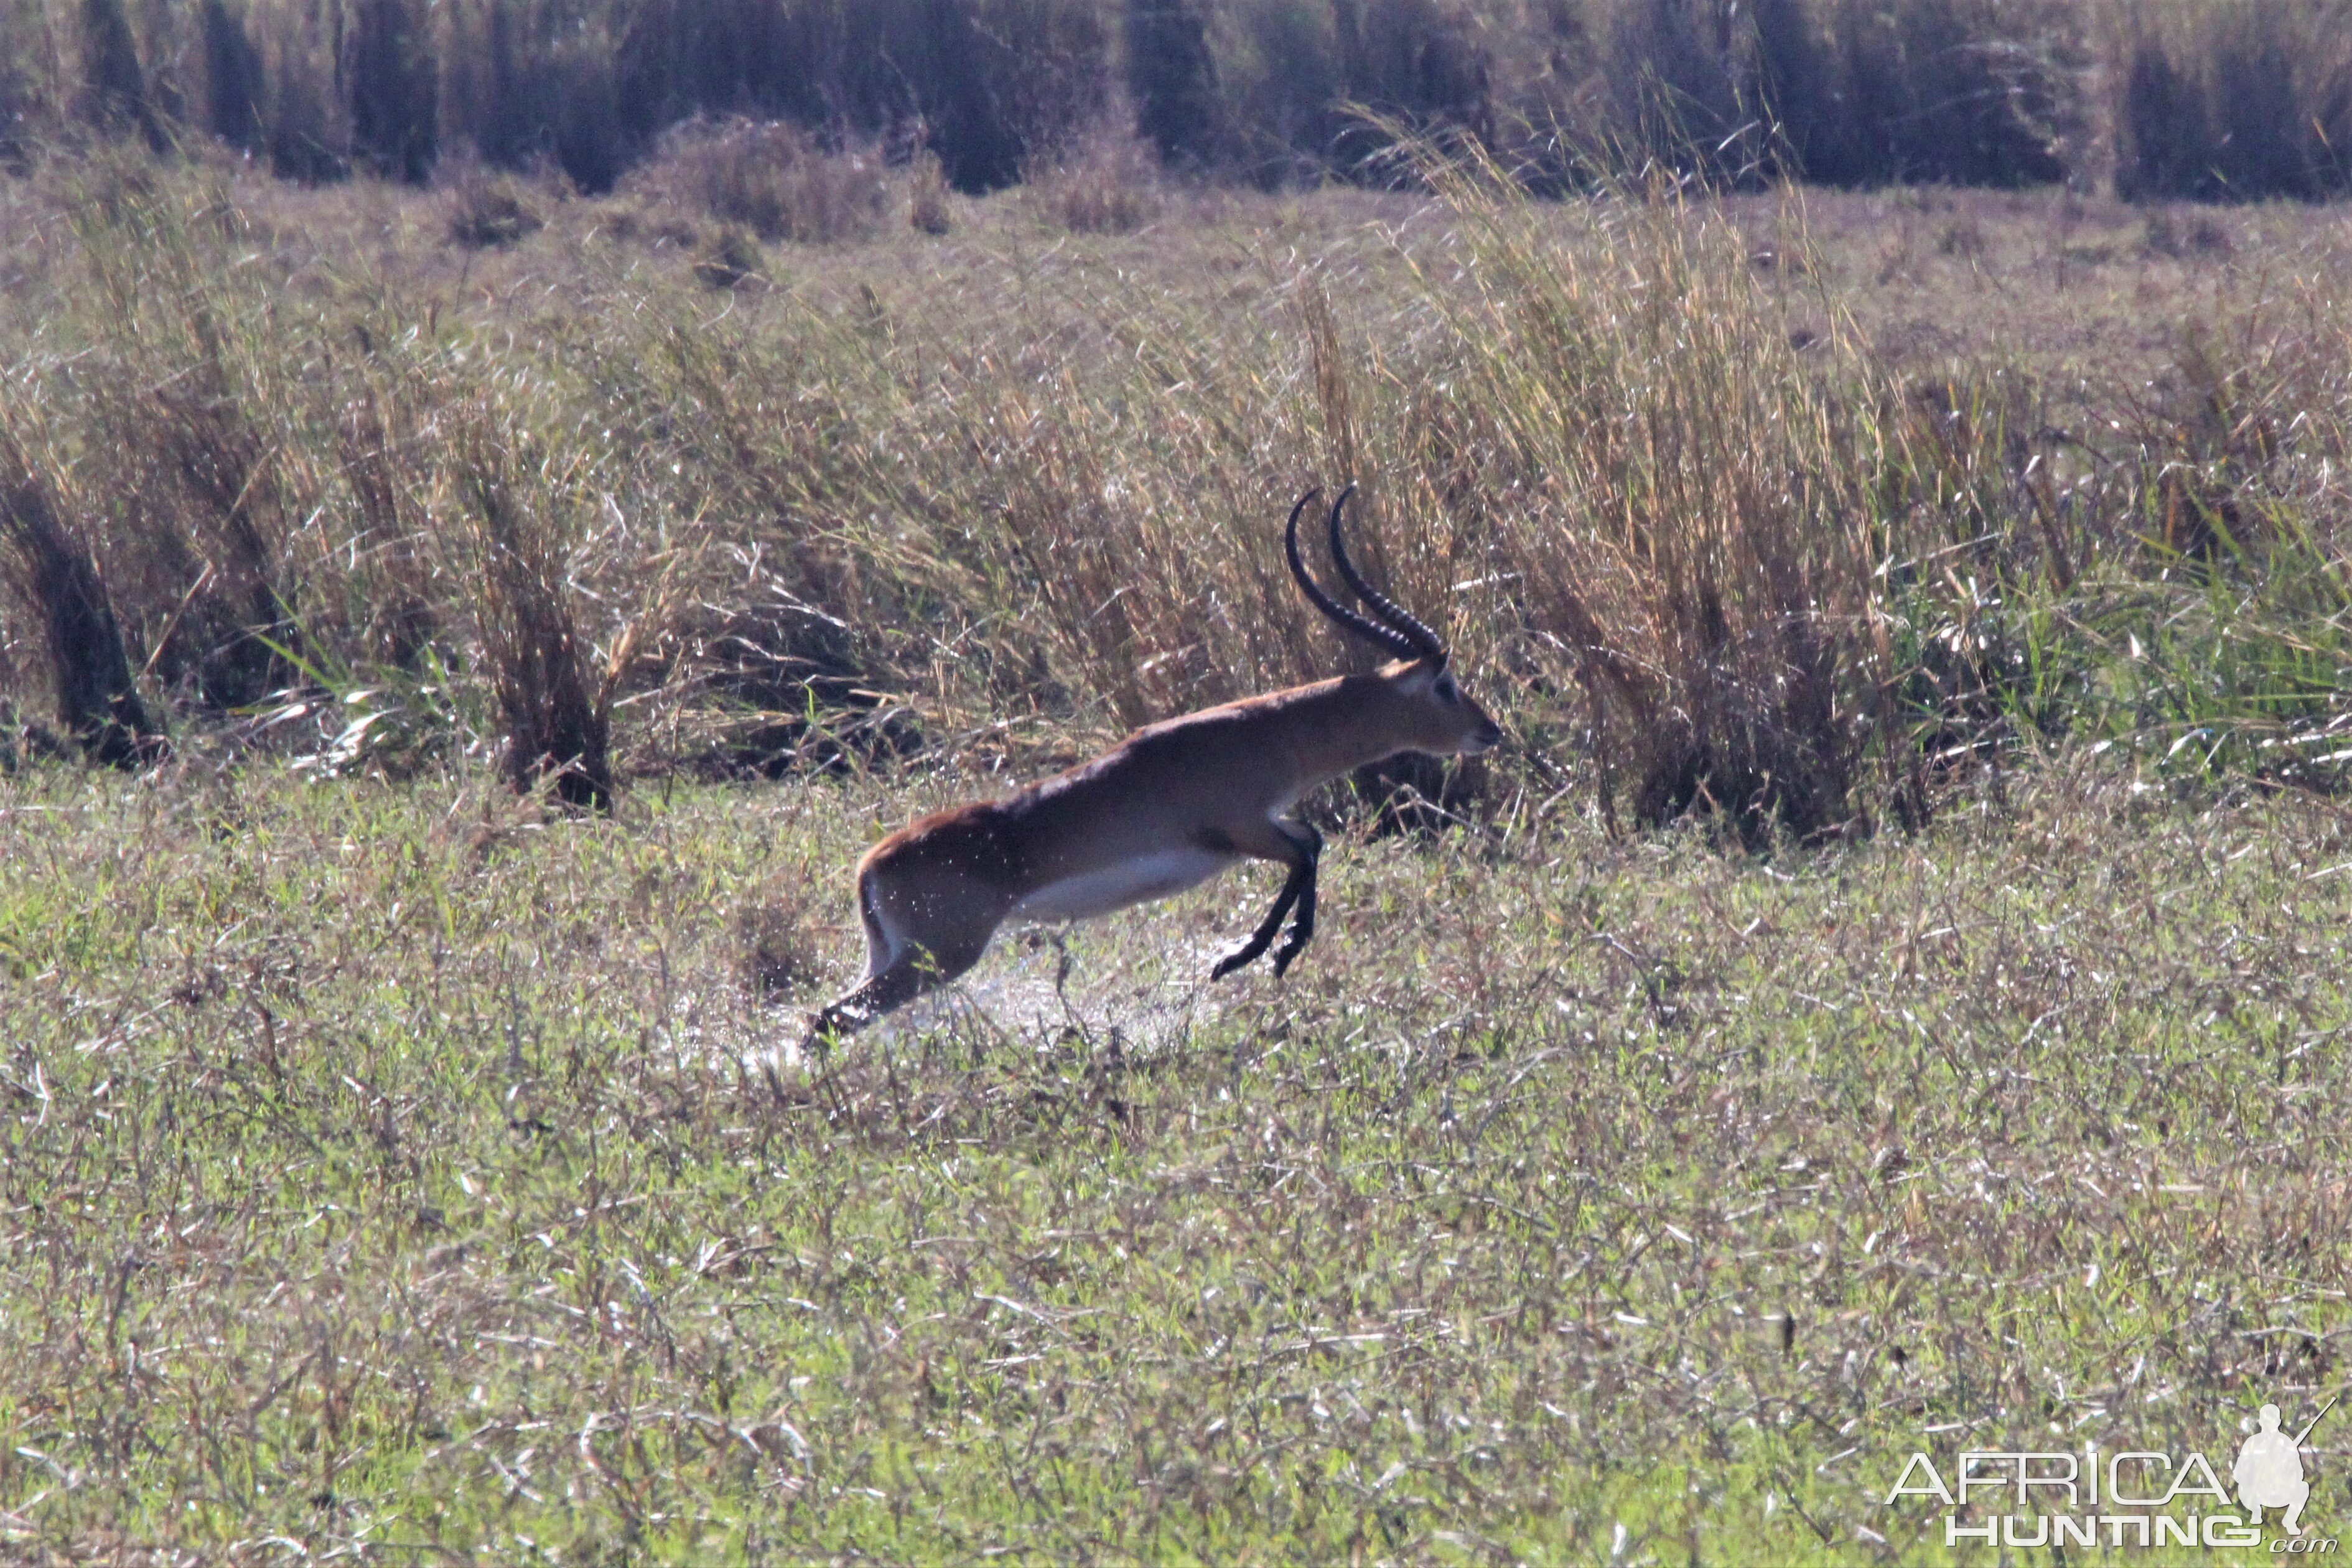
1170	806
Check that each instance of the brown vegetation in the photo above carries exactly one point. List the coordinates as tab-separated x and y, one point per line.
1792	514
51	573
773	180
558	716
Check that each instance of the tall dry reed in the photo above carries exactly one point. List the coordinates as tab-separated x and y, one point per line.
97	702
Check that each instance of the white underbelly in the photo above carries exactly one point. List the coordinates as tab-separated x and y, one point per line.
1116	887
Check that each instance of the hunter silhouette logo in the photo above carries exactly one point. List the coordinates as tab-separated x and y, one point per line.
2132	1497
2268	1472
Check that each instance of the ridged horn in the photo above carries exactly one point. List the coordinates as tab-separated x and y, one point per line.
1424	642
1388	638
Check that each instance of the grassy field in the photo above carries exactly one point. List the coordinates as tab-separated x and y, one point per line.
1885	995
391	1170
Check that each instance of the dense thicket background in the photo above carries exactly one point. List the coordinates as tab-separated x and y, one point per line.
2196	98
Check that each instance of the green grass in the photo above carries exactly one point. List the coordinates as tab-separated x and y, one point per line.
389	1170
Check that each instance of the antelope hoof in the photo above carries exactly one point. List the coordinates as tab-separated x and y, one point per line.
1236	958
828	1029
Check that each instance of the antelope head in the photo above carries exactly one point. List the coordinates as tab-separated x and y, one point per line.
1427	709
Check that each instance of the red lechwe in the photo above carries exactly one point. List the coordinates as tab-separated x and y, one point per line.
1170	806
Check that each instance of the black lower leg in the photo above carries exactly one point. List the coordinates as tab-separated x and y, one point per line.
1302	926
1261	938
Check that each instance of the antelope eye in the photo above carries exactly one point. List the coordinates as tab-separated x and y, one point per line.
1447	689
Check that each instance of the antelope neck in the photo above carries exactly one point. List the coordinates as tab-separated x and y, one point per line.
1336	726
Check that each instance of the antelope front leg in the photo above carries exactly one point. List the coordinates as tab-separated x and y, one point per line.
1302	923
1299	853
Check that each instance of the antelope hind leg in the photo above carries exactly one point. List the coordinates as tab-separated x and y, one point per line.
911	974
1297	892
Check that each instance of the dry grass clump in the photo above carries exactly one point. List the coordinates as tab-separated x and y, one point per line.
1691	538
50	568
556	709
1013	502
181	424
774	179
399	617
730	257
779	941
489	209
1109	183
293	547
929	205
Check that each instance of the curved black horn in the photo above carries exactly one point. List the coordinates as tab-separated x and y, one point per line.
1394	641
1424	643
